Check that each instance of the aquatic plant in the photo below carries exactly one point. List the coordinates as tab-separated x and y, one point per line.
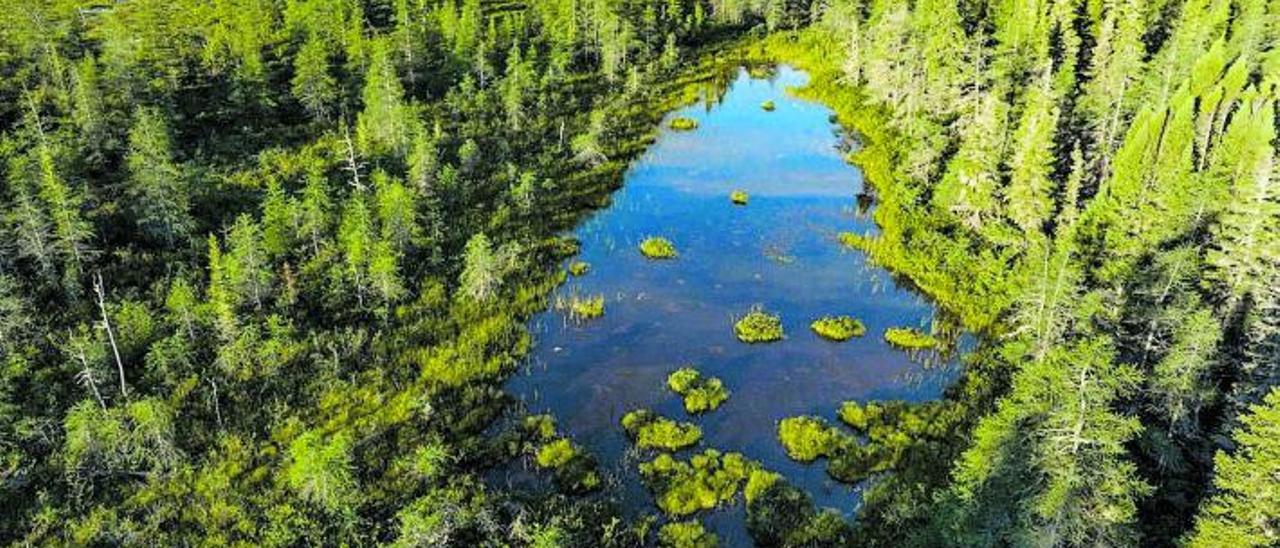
838	328
683	123
758	482
653	431
758	326
579	268
707	480
686	534
542	427
656	247
738	197
909	338
768	106
852	240
556	453
700	393
808	438
782	515
586	308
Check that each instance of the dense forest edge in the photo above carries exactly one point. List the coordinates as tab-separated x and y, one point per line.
266	263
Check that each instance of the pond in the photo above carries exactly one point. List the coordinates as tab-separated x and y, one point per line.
779	251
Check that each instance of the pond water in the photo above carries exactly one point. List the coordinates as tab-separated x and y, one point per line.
780	252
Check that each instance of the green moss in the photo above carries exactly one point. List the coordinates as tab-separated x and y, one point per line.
768	106
653	431
758	326
686	534
543	427
808	438
658	248
910	338
579	268
700	393
683	123
738	197
758	483
555	454
838	328
707	480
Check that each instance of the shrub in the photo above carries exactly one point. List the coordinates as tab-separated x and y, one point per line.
909	338
658	248
807	438
768	106
705	481
579	268
683	123
758	482
738	197
758	326
700	393
653	431
838	328
556	454
686	534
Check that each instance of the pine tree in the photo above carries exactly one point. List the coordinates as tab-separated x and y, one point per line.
1028	198
156	188
479	279
384	126
1245	505
967	189
313	85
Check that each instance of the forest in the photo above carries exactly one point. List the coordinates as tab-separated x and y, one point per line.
267	265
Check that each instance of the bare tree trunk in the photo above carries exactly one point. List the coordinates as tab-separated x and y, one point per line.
111	336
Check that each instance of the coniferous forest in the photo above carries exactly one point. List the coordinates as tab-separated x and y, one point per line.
267	269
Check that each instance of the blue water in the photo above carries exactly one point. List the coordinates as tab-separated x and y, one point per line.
779	252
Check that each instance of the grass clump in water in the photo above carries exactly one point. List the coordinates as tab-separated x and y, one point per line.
758	326
707	480
579	268
808	438
909	338
656	247
686	534
574	470
838	328
738	197
683	123
701	394
582	308
653	431
768	106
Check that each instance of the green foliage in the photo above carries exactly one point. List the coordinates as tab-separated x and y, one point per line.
652	431
582	308
909	338
701	394
683	123
838	328
809	438
556	453
768	106
758	326
1244	504
738	197
656	247
705	481
579	268
686	534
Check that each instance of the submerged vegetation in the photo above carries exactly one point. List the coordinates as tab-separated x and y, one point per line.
582	308
683	123
656	247
653	431
701	394
686	534
838	328
909	338
758	326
